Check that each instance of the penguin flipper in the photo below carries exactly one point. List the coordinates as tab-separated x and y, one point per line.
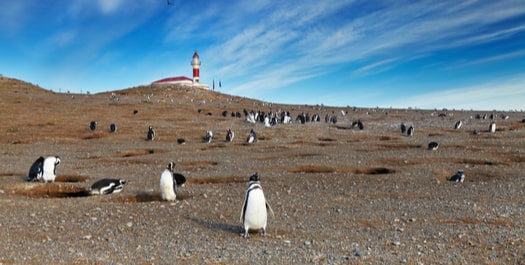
243	209
269	209
179	179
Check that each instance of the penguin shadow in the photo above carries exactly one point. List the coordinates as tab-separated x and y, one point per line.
233	229
142	197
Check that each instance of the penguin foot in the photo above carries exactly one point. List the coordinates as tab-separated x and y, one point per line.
246	234
263	233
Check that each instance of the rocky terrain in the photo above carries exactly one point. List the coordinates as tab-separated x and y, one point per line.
341	195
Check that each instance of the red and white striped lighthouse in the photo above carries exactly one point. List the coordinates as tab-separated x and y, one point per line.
196	63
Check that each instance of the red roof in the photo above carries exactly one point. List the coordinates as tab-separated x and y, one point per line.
173	79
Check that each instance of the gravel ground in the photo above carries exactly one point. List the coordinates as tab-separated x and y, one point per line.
340	195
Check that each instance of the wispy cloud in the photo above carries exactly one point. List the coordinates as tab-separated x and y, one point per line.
502	94
375	68
410	30
109	6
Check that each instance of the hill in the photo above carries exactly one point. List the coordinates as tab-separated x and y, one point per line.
340	194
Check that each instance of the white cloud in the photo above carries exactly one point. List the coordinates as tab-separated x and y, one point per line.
109	6
503	94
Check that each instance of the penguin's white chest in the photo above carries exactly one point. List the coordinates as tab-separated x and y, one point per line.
49	169
255	215
167	190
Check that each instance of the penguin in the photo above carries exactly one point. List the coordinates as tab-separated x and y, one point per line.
267	121
93	125
459	177
492	127
169	182
403	128
433	146
151	133
107	186
208	137
181	141
255	208
49	168
458	125
252	137
37	170
229	135
358	124
410	131
112	128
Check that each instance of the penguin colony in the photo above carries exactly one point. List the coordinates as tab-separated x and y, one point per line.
255	209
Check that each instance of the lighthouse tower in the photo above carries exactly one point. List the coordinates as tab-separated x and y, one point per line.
196	63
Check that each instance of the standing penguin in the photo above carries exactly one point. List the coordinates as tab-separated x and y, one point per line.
410	131
93	125
49	168
151	133
169	182
229	135
37	170
492	127
403	128
255	209
208	137
112	128
252	137
458	125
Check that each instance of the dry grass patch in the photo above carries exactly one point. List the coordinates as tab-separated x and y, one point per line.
312	169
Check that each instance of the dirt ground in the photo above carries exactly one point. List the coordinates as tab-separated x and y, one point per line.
340	195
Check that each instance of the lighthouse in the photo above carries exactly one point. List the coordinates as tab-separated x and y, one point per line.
183	80
196	63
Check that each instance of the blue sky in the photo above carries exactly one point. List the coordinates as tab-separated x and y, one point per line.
423	54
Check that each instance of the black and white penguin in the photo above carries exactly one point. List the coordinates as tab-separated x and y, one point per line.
112	128
229	135
93	125
459	177
151	133
107	186
255	208
410	131
403	128
37	170
492	127
208	137
252	137
458	125
433	146
358	124
169	182
181	141
49	168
